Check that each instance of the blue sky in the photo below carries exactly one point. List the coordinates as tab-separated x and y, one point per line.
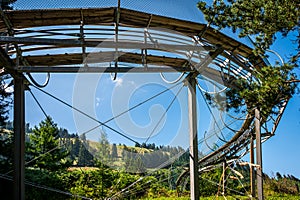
279	153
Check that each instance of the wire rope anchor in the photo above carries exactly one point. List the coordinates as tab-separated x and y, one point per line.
82	39
173	81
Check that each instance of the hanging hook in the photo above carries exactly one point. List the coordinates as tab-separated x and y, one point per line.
113	76
34	82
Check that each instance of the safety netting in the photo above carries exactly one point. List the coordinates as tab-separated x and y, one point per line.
185	10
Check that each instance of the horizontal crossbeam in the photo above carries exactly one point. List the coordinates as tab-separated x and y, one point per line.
101	43
102	69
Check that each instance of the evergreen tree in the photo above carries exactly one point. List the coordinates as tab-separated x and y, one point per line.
265	20
278	176
6	137
63	133
104	153
5	100
6	151
114	151
124	151
74	153
44	145
262	19
136	145
85	158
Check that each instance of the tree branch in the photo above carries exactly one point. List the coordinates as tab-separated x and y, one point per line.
293	81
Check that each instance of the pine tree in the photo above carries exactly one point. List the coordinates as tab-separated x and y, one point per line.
6	151
75	148
85	158
265	20
104	153
5	99
6	137
262	19
114	152
44	146
63	133
134	162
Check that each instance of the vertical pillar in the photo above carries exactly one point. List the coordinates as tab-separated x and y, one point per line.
252	172
258	156
192	108
19	139
224	174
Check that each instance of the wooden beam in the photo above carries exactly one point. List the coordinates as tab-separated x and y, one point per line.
252	171
101	43
192	108
259	171
200	67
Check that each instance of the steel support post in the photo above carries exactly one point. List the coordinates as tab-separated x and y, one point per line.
192	108
224	174
259	170
252	171
19	138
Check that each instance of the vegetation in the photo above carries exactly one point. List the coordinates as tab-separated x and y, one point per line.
114	152
268	93
287	197
263	19
266	20
97	181
6	151
44	145
6	137
84	157
100	183
5	99
104	148
6	4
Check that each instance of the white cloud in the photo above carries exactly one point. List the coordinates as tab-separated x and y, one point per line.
98	101
119	82
131	82
9	89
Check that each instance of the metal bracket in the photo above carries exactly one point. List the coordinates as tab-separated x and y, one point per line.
82	39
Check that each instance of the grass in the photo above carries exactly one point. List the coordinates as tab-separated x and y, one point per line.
279	197
284	197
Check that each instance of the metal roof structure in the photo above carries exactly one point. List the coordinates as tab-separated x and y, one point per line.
118	40
90	28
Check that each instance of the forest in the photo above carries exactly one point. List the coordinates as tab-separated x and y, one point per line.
60	165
